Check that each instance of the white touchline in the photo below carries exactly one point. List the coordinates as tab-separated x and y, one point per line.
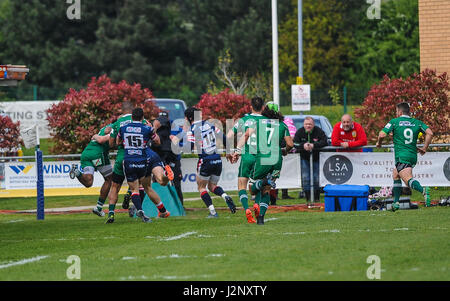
179	236
24	261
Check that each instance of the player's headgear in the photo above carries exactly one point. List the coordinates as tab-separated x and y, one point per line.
272	106
190	113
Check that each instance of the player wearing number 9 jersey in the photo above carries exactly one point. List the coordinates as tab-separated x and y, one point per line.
202	135
405	131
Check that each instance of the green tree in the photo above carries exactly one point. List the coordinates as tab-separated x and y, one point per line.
387	46
327	42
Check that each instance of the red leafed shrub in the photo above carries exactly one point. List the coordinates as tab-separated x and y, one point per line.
224	105
82	113
426	92
9	133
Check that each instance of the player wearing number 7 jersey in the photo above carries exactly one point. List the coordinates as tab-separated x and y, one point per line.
405	131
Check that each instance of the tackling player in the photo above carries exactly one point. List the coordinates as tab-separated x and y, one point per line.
118	176
405	131
270	132
95	157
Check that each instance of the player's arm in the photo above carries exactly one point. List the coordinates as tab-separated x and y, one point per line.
118	140
428	136
156	124
243	140
102	139
381	136
155	139
289	145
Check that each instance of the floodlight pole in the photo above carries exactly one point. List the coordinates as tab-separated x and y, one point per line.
276	92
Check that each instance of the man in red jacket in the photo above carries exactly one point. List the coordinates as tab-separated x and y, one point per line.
348	134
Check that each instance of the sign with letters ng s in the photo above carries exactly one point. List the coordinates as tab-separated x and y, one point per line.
375	169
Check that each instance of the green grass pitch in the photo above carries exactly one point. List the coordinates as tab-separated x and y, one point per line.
411	245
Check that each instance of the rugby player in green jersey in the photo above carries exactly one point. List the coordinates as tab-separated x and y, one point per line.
270	132
405	131
95	157
248	154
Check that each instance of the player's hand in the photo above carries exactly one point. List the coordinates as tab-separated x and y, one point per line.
378	144
344	144
421	150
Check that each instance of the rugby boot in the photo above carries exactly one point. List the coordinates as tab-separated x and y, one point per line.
212	215
169	172
98	212
260	220
143	217
249	216
126	200
256	209
395	206
165	214
230	204
110	219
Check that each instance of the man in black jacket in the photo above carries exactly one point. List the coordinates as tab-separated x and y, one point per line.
164	150
307	139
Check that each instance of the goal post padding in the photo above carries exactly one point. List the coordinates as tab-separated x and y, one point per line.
170	199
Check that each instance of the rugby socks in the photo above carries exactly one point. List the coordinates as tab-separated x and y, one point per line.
100	204
161	207
206	198
264	204
219	191
397	190
142	193
208	202
243	197
111	209
136	199
414	184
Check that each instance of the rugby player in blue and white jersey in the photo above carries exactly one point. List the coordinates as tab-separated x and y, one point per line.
202	135
139	161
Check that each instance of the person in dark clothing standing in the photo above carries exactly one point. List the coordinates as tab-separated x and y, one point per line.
307	139
164	150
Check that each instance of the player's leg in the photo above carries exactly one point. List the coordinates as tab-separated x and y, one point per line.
178	177
154	197
86	176
407	177
216	170
245	172
117	179
106	172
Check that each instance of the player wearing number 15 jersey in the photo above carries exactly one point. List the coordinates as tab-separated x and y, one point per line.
202	135
405	131
139	161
